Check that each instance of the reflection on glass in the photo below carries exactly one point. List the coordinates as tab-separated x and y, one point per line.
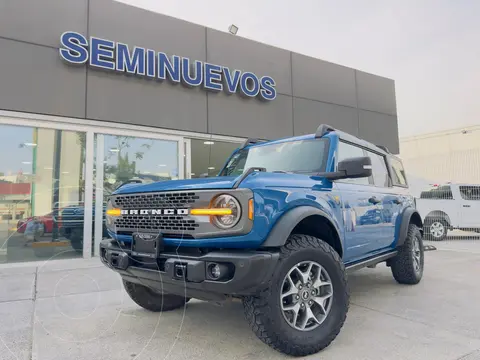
41	193
130	158
209	156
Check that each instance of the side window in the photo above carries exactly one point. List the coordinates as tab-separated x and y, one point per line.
440	193
346	151
379	170
398	173
470	192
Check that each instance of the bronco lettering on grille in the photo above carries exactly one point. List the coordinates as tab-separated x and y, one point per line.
155	212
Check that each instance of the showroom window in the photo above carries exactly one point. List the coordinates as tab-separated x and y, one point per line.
42	190
209	156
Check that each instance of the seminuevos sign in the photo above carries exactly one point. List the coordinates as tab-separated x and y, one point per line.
115	56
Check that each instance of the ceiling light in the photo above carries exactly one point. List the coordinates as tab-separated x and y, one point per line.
26	162
162	165
208	142
47	168
65	172
211	168
114	150
233	29
29	144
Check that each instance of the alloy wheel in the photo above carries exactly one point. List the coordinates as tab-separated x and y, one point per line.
307	296
416	254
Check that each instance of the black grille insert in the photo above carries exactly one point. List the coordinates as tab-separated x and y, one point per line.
155	200
156	222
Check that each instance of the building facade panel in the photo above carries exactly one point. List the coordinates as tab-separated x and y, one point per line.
34	79
381	129
111	97
323	81
41	22
308	114
236	116
376	93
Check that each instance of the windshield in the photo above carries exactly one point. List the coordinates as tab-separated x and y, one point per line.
303	156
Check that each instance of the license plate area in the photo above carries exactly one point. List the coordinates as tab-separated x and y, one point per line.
147	245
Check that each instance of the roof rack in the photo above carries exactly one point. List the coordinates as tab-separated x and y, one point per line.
251	141
323	129
384	148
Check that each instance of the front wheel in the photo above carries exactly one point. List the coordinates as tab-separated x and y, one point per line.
306	304
152	300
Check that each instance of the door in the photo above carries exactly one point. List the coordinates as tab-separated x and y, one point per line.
124	157
390	197
470	206
362	210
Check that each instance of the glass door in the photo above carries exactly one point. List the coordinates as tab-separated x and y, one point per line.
122	157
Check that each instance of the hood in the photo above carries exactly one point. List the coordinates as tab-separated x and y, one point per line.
219	182
253	181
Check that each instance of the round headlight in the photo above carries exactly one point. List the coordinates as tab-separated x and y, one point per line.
227	221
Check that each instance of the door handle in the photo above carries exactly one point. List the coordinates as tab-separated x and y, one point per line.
466	205
373	200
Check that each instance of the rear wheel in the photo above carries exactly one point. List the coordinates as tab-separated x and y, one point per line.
407	266
306	304
152	300
436	229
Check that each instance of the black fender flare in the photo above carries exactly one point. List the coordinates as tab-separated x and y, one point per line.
408	215
282	229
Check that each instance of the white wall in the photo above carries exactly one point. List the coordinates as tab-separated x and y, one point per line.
450	156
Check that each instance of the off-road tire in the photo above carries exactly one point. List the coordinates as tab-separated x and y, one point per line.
403	264
430	222
151	300
263	311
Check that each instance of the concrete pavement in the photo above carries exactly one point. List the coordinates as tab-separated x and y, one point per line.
77	309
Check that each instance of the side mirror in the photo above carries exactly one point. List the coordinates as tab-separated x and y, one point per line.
358	167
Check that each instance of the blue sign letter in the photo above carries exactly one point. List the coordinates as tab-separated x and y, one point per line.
231	83
75	44
198	68
164	66
150	60
252	87
133	64
101	53
213	77
268	91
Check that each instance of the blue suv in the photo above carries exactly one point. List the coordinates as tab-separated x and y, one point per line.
279	228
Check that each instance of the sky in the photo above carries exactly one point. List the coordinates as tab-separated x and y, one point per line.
430	48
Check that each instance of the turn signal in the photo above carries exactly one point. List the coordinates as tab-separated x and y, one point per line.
212	212
114	212
250	209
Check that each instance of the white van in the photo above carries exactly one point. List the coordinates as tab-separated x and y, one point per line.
447	207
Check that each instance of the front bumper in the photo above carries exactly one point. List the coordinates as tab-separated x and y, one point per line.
187	274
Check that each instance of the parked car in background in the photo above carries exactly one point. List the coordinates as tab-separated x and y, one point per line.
447	207
46	220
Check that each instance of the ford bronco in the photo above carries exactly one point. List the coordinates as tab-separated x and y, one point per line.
280	227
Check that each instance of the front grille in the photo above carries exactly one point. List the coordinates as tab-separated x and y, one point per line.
156	200
156	222
173	225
